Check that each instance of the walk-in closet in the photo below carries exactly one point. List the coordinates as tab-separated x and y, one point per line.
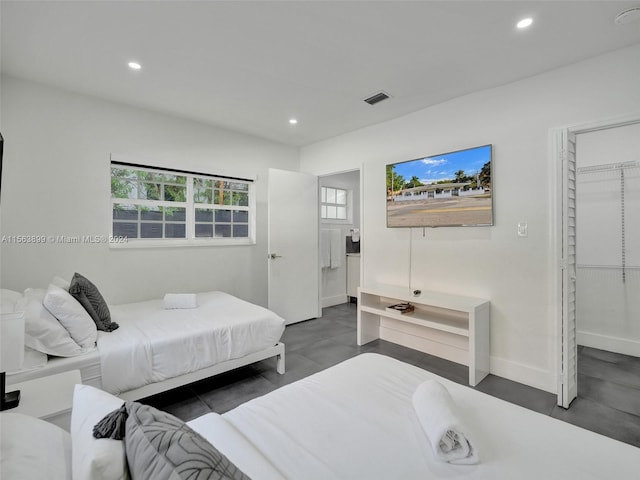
608	273
608	239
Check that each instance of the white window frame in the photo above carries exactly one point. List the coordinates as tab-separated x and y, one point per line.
347	205
190	206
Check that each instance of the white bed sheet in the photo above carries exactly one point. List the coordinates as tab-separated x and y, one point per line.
89	364
217	431
356	421
154	344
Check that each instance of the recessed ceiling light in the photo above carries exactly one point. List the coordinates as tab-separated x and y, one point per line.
524	23
134	66
293	121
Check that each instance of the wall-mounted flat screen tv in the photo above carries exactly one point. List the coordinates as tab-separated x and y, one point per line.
447	190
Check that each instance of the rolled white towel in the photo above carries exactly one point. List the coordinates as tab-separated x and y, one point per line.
180	300
436	411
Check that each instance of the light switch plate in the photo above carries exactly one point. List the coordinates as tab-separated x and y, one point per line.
523	229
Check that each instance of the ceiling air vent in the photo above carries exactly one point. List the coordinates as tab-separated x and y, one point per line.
377	98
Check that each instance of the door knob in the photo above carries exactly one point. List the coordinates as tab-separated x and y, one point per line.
273	255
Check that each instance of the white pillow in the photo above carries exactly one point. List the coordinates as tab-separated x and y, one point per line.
93	458
180	300
42	331
72	316
61	282
33	448
8	300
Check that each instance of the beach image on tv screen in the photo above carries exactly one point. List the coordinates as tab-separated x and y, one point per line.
449	189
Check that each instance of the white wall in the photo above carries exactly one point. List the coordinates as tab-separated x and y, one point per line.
56	182
516	274
608	308
334	280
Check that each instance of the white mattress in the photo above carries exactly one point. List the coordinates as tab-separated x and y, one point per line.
356	421
154	344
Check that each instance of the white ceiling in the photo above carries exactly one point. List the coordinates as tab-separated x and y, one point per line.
252	65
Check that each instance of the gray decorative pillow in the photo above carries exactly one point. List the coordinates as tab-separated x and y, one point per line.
90	298
160	446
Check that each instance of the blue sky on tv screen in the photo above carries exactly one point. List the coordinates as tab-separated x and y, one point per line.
445	166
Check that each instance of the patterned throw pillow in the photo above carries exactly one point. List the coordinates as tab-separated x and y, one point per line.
90	298
160	446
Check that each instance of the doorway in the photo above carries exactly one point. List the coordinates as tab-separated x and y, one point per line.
340	240
598	267
608	232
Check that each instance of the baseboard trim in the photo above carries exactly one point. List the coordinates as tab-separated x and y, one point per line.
526	374
610	344
335	300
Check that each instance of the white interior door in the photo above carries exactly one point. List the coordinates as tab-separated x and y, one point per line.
293	252
568	387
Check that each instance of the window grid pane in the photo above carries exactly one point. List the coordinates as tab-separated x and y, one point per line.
333	204
142	205
221	223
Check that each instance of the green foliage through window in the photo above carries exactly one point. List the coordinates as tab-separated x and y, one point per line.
148	203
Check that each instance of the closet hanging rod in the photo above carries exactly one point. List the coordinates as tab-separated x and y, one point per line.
609	167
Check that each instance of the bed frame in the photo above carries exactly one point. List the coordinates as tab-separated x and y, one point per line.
154	388
91	376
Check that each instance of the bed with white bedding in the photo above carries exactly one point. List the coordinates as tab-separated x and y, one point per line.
356	420
156	348
156	344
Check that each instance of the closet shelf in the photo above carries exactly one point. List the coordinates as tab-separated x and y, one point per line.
607	167
610	267
619	167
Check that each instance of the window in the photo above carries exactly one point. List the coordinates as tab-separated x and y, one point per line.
333	203
163	207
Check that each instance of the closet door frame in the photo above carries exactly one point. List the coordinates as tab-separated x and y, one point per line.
564	259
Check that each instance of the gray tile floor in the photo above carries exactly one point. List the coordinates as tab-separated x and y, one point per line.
608	384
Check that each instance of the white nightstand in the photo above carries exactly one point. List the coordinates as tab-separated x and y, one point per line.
49	398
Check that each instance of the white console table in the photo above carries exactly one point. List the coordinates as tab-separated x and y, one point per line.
450	326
